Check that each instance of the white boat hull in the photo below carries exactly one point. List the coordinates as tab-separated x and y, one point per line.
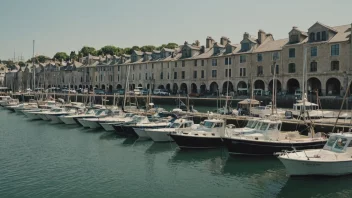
311	167
107	126
141	133
54	119
84	123
159	136
43	117
32	116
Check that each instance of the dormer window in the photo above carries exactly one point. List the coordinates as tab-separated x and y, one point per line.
323	36
318	36
245	47
228	49
312	37
294	39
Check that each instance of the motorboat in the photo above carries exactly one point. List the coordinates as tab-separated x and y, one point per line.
73	119
108	125
4	100
162	134
333	159
54	114
264	111
10	104
310	110
126	129
32	104
93	122
140	128
31	114
267	139
205	136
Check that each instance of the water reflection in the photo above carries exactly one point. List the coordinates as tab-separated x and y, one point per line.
184	156
317	187
156	148
108	136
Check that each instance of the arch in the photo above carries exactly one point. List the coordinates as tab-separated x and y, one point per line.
80	86
278	86
292	85
203	88
90	87
103	87
110	88
174	88
96	86
333	87
75	87
194	88
148	86
168	87
161	87
86	86
184	88
259	84
242	88
314	85
133	86
49	86
140	85
118	86
214	87
224	87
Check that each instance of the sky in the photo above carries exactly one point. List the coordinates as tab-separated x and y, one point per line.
68	25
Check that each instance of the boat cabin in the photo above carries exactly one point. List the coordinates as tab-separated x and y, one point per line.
182	123
308	106
339	143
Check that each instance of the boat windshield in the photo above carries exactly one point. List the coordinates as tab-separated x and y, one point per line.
138	119
56	110
90	111
259	124
249	123
264	126
208	124
331	141
100	112
272	127
175	125
340	144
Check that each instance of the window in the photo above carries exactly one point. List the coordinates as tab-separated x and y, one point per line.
175	64
259	57
152	65
132	76
312	37
335	65
175	75
214	62
213	73
294	39
276	56
260	70
228	61
291	68
242	72
242	58
161	75
323	36
202	74
335	50
152	75
314	51
228	73
118	68
146	76
183	63
292	53
313	66
194	74
202	62
318	36
195	62
244	47
277	69
183	74
168	75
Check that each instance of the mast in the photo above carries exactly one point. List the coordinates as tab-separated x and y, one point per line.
227	87
33	67
126	85
304	82
274	90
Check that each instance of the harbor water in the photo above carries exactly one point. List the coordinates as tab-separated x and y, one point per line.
39	159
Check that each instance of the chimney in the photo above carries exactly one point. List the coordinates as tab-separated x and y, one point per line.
224	40
202	49
209	42
245	35
261	36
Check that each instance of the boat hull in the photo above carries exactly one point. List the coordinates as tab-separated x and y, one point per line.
191	142
107	126
124	130
83	122
158	136
32	116
67	120
141	133
44	117
253	147
307	167
55	119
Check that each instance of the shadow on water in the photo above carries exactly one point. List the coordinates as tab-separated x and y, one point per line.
156	148
249	165
181	156
129	141
317	187
64	126
89	130
108	136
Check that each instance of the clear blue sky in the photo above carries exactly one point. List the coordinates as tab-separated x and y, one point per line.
67	25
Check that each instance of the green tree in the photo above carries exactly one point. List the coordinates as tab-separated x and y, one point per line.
171	45
61	56
41	59
127	50
109	49
73	55
148	48
87	50
21	64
